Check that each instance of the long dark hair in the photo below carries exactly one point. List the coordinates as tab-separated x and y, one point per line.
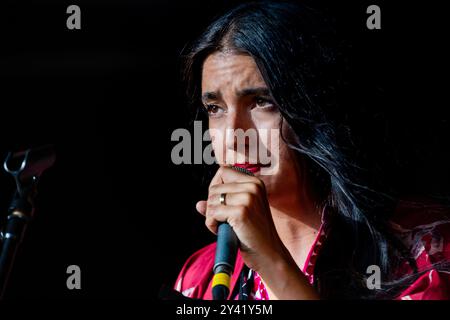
294	50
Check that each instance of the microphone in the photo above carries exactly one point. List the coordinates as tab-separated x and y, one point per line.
226	251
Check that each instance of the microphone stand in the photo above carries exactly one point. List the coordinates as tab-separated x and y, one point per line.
26	167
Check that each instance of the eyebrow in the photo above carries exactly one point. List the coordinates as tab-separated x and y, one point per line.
263	91
210	96
257	91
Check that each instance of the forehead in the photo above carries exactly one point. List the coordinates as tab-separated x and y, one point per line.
225	70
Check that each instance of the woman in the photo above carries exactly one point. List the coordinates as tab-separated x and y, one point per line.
313	228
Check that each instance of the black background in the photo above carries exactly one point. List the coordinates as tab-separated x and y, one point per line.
108	97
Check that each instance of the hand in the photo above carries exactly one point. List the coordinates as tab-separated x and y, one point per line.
247	211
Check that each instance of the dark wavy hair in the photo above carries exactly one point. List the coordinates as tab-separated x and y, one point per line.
298	57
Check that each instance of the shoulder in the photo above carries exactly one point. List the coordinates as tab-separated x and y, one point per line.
424	227
194	277
414	213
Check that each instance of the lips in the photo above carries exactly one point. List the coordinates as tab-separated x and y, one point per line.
253	168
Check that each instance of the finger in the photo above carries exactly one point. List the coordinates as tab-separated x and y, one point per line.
211	224
228	174
249	187
201	207
234	215
233	199
216	179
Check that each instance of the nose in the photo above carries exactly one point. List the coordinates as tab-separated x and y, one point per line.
237	121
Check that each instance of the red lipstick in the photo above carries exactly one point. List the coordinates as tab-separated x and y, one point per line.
252	167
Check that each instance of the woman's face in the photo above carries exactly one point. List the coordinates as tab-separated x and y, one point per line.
236	97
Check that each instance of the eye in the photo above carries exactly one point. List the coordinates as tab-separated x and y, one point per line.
213	109
263	102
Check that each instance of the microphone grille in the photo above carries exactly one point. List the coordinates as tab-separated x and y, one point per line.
243	170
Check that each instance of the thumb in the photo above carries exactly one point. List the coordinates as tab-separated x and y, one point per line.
201	207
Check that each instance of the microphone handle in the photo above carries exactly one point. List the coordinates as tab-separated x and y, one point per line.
226	251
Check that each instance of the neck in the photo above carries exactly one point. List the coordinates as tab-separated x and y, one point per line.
297	222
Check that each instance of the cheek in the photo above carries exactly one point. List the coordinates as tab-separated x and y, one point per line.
218	143
281	157
280	169
285	154
270	143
